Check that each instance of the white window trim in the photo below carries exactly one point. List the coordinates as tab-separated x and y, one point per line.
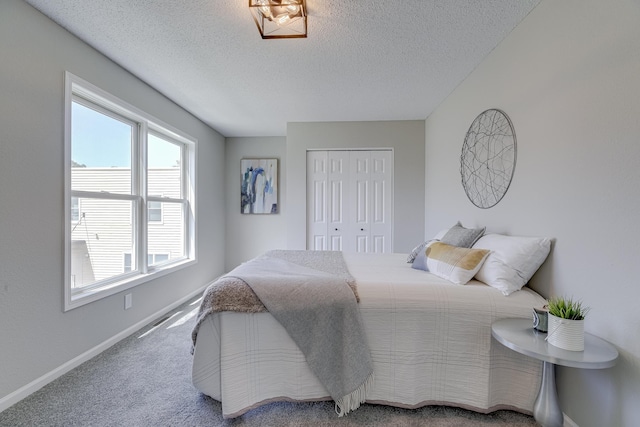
77	86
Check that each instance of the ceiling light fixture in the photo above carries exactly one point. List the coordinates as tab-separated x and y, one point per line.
280	19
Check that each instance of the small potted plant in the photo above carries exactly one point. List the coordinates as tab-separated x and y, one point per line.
566	323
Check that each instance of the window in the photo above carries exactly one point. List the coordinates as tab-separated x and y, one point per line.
157	258
127	263
75	209
154	211
152	259
134	178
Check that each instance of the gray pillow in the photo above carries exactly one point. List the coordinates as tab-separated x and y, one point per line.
462	237
414	253
420	248
420	262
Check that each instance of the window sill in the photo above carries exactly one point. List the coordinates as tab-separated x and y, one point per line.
83	297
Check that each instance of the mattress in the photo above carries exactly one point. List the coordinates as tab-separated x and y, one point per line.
430	341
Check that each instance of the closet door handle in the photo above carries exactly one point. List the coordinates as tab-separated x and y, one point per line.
362	229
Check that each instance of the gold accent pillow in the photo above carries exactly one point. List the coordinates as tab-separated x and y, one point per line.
455	264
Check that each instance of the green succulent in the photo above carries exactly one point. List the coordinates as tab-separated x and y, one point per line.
567	308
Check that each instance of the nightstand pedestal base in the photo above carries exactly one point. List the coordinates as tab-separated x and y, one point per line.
546	409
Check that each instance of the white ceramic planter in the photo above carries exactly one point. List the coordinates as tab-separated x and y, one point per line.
565	333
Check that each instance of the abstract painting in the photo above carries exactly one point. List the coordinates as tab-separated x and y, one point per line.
259	186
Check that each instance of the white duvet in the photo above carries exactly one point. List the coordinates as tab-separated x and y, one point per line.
430	341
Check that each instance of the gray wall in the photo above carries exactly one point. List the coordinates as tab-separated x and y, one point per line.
251	235
407	140
569	78
36	336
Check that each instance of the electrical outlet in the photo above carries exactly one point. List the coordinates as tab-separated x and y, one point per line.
128	301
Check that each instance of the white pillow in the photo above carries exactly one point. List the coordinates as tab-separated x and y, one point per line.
513	260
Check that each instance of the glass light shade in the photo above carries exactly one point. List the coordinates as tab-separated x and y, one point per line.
280	18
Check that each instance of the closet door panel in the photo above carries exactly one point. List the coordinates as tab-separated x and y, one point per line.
317	209
379	244
381	200
360	202
338	195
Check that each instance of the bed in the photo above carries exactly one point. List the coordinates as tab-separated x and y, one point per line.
429	339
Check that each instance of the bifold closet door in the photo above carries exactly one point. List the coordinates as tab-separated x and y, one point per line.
327	187
370	201
338	196
349	200
317	211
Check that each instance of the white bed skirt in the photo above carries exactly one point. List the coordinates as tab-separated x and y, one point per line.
430	342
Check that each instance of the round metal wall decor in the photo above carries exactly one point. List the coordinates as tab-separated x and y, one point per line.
488	158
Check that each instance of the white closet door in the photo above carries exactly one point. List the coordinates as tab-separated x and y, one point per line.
358	236
350	200
381	201
337	200
317	210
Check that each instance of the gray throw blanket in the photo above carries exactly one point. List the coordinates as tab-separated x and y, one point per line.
313	296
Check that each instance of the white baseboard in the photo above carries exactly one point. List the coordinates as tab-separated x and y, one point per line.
568	422
38	383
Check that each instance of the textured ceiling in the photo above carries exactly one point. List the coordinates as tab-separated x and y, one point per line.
362	60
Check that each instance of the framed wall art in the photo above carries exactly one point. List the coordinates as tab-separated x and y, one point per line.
259	186
488	158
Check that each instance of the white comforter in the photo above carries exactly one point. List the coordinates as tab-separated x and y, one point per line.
430	341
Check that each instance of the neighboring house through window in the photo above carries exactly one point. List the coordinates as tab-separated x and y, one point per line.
75	209
152	259
154	211
134	177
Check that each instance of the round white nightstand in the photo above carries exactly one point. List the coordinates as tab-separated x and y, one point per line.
519	335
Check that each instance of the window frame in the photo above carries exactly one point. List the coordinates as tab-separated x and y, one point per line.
78	89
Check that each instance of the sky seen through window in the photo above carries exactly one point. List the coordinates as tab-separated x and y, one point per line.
102	141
